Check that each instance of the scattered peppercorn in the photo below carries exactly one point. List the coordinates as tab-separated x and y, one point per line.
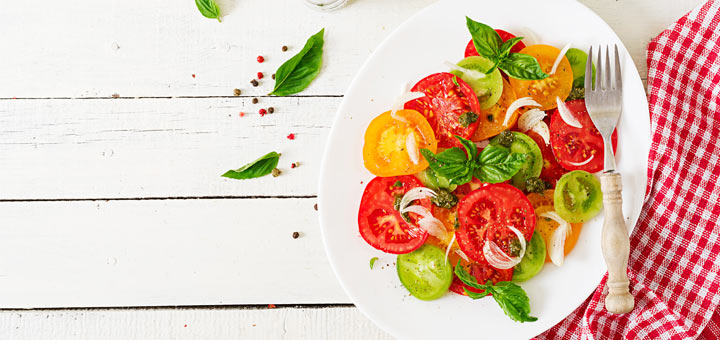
273	76
254	82
115	95
467	118
294	165
262	112
284	48
271	306
276	172
242	114
315	206
193	75
490	118
534	184
260	75
271	109
260	59
296	234
237	92
506	138
255	101
291	136
444	199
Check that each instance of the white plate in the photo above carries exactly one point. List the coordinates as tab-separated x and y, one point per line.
416	49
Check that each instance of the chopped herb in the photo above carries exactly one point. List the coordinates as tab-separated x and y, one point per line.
454	79
457	223
490	118
397	184
396	203
372	262
576	93
506	138
467	118
444	199
536	185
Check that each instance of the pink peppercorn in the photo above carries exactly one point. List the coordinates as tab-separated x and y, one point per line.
260	59
262	112
291	136
260	75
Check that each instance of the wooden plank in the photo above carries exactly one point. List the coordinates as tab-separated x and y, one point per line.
158	147
163	252
135	48
217	324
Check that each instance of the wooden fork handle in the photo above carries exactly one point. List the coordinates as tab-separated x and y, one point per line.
615	246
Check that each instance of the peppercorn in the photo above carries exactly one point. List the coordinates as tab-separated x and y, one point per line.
260	75
276	172
262	112
295	234
506	138
271	109
291	136
255	101
315	206
273	76
284	48
294	165
260	59
254	82
237	92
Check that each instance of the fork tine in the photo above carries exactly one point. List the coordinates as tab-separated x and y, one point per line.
599	75
588	72
608	74
618	72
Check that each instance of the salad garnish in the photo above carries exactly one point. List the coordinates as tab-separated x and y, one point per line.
299	71
260	167
209	9
557	240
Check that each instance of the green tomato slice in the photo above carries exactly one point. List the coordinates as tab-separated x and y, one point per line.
424	272
523	144
432	180
533	260
578	59
578	197
488	89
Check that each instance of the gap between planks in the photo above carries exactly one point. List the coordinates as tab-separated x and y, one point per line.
187	307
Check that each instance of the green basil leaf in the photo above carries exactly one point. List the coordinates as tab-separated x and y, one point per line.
260	167
466	278
497	164
507	46
470	147
474	295
522	66
208	8
299	71
487	42
451	164
513	300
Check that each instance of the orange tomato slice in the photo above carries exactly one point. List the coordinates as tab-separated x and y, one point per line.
545	90
385	151
545	226
491	120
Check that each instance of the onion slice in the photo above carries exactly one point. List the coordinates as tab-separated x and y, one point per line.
559	58
497	258
529	37
415	194
518	103
583	162
530	118
417	209
566	115
404	97
428	222
558	237
412	149
462	254
447	251
469	72
543	130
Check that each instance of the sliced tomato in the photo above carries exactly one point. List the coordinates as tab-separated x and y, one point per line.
381	225
504	35
463	190
545	90
385	151
492	119
544	203
443	104
482	273
551	171
573	146
486	212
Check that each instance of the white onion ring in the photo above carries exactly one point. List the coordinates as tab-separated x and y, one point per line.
415	194
412	149
518	103
497	258
558	237
583	162
530	118
404	97
543	130
559	58
566	115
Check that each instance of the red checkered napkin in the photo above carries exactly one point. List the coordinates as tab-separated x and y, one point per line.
674	248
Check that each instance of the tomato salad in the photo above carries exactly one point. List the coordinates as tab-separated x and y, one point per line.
484	172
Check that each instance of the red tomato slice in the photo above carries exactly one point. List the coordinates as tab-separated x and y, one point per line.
443	104
573	146
552	171
381	225
504	35
483	213
482	272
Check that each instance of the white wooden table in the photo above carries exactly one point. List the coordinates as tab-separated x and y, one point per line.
117	118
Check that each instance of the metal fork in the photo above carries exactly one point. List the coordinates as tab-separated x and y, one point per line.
604	105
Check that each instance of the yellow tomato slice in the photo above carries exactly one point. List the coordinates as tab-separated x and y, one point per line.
491	120
386	139
545	226
545	90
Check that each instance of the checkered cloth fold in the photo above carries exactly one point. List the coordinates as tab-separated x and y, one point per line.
674	248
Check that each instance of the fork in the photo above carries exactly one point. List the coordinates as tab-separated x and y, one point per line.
604	105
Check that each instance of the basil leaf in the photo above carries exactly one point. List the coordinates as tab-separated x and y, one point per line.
451	164
507	46
466	278
299	71
470	147
474	295
209	9
260	167
522	66
497	164
513	300
487	42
